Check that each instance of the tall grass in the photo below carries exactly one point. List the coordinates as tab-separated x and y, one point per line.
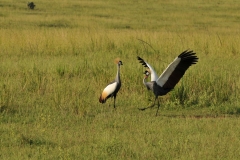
56	60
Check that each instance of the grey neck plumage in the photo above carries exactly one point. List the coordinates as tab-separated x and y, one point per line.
117	79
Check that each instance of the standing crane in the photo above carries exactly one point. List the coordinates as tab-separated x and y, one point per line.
170	77
112	88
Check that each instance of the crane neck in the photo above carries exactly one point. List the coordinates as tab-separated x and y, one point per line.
117	79
144	81
149	85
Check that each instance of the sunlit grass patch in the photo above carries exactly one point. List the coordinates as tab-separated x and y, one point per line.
56	59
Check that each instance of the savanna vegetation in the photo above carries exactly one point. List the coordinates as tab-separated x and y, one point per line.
57	58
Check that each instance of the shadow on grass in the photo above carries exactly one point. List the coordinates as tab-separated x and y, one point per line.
6	109
24	140
202	116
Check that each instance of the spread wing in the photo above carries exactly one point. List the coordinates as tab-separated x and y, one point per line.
175	70
154	75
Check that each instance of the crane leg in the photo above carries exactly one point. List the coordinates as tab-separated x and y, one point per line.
142	109
158	108
114	101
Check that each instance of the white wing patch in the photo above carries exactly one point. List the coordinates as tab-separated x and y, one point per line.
167	72
109	89
154	75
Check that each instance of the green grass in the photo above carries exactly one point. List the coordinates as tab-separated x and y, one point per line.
56	60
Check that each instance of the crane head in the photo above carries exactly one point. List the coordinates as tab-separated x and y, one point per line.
118	61
146	74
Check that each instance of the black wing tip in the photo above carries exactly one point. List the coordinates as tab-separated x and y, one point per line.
142	61
139	58
188	54
189	57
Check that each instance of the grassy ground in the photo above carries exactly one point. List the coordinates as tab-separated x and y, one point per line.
56	60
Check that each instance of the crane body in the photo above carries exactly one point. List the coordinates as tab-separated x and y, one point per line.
112	88
170	76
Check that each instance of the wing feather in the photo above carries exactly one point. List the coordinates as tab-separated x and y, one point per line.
107	92
175	70
154	75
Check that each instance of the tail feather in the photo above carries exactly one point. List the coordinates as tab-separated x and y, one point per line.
102	100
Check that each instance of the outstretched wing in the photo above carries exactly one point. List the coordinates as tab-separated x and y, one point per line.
154	75
175	70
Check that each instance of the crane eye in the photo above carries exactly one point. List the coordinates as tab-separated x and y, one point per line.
146	73
120	63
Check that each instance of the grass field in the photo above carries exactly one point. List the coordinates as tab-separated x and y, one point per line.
56	60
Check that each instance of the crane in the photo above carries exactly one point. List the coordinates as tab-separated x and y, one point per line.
170	77
112	88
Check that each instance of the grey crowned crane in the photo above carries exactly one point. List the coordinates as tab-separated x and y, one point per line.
112	88
170	77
